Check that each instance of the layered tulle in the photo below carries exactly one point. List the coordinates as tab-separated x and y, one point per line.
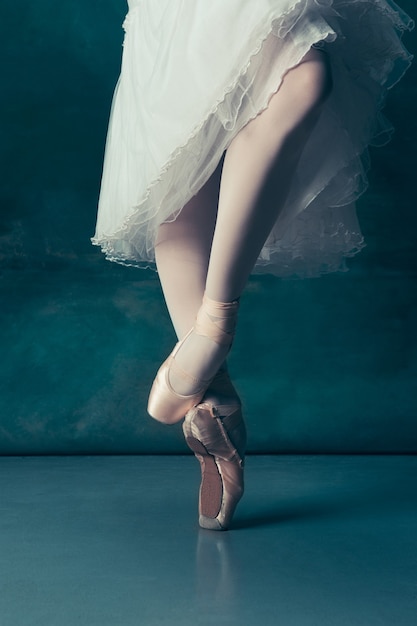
195	72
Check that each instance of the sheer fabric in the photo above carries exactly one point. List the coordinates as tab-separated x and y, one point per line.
195	72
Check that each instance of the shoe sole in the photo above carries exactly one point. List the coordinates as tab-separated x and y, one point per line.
211	487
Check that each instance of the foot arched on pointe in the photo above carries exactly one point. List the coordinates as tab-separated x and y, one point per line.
177	388
217	436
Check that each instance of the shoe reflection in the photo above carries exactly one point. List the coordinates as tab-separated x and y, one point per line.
216	570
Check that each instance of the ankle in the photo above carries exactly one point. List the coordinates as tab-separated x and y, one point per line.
217	320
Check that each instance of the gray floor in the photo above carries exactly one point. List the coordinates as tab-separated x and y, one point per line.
114	541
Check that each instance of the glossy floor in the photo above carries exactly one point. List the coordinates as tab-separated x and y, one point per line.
114	541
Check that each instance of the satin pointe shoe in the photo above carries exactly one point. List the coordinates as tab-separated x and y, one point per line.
216	320
217	436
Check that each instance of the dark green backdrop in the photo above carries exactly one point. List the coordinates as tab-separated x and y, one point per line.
324	365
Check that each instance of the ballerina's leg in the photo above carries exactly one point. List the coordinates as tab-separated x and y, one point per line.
263	156
182	254
262	160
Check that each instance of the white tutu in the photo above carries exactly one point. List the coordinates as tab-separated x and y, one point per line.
194	72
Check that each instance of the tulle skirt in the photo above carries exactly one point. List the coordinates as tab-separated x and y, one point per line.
194	72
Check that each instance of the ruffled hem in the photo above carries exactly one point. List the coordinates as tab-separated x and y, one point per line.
317	228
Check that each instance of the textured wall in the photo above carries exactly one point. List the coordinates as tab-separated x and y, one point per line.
325	365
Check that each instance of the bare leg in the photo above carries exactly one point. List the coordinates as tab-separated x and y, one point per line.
192	259
182	255
272	141
275	138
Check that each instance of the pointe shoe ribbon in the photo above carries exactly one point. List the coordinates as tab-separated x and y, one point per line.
217	320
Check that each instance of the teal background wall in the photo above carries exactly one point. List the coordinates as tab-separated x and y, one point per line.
325	365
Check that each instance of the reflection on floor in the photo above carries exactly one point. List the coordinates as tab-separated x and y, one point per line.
100	541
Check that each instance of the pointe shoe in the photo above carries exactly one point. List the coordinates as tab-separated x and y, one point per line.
217	436
165	404
216	320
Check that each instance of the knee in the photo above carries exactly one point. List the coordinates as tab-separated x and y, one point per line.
294	108
315	75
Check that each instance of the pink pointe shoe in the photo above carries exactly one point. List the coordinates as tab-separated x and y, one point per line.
217	436
215	320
